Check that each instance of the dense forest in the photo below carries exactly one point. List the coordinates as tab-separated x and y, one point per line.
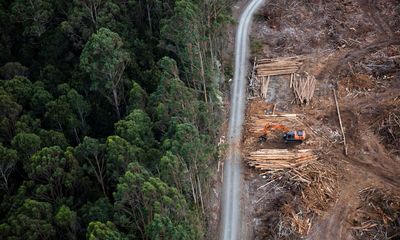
109	111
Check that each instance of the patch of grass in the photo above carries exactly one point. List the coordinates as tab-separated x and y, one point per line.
256	46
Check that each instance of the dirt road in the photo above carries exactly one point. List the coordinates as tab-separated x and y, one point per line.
231	207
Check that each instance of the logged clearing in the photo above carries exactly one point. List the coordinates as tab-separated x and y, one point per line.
331	69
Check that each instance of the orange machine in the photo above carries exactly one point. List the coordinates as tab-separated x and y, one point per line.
288	136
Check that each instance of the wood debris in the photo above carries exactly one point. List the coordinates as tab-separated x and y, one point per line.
293	222
253	81
377	216
313	185
264	87
303	87
387	123
278	159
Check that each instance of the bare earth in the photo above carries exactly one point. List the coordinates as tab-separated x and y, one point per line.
353	47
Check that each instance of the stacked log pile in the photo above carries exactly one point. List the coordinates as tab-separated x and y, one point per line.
278	66
265	68
279	159
303	87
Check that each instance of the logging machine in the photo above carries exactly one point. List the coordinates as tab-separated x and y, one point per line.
288	136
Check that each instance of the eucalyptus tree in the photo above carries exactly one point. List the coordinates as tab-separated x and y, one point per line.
34	15
8	160
105	60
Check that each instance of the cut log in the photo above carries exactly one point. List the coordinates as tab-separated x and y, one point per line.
340	122
303	88
264	89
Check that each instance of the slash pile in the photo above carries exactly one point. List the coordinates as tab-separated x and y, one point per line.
378	217
309	192
387	123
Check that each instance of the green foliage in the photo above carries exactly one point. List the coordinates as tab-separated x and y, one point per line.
101	210
100	231
33	15
66	220
20	88
54	171
11	202
7	27
103	54
32	221
136	128
51	76
51	138
162	226
65	217
105	60
182	34
8	160
191	153
92	155
26	144
26	123
137	97
141	199
172	170
53	50
79	105
119	154
172	102
86	17
59	114
183	27
80	140
39	99
12	69
106	162
79	108
256	47
192	33
188	143
9	112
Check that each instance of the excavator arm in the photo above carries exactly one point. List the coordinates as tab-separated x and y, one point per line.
269	127
289	136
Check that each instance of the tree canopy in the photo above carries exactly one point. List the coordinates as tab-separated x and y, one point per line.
108	117
104	59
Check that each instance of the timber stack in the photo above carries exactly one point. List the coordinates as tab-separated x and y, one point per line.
278	66
279	159
265	68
